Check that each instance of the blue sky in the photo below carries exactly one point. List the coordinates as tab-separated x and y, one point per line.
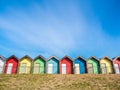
60	27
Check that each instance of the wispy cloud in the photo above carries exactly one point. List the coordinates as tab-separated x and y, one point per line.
51	31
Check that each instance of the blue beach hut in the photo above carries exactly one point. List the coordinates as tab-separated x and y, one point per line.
80	65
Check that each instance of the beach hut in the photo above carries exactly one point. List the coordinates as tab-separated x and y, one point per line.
93	65
11	66
25	65
66	65
106	65
116	63
2	64
39	64
80	65
53	65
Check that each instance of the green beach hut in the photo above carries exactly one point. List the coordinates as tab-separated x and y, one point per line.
39	64
93	66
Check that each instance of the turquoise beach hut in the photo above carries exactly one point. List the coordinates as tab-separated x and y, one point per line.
53	65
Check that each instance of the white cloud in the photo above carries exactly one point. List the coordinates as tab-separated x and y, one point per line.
45	32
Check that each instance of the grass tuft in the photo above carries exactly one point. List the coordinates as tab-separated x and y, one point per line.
59	82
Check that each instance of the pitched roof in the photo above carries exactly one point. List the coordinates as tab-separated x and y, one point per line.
116	58
67	57
40	56
93	58
13	56
107	58
26	56
52	57
80	58
2	57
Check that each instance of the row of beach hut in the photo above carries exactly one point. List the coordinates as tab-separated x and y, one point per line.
53	65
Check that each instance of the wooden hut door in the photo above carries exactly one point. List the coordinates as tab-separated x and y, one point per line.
37	68
77	69
23	68
116	67
64	68
50	68
104	68
9	69
90	68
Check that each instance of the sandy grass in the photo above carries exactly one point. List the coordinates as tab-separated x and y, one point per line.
59	82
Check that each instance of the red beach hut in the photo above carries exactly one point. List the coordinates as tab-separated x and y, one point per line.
66	65
116	63
11	65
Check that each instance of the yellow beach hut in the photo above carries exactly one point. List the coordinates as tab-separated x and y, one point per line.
106	65
25	65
